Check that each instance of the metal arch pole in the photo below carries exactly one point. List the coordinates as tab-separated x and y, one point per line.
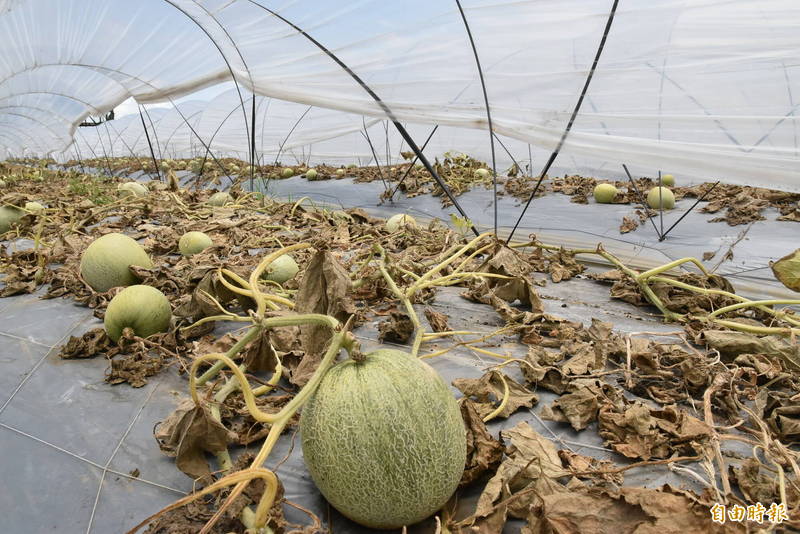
388	112
575	111
150	144
488	109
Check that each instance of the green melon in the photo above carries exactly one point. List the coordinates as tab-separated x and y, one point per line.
400	221
665	199
384	440
668	180
193	243
132	188
604	193
311	174
145	309
219	199
105	263
288	172
9	215
787	270
282	269
33	207
481	173
340	172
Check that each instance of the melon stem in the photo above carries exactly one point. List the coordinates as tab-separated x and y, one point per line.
249	336
652	275
339	340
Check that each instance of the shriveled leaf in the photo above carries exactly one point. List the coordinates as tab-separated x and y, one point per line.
519	286
578	409
190	432
134	368
629	224
637	431
529	472
582	359
586	467
397	328
627	511
437	320
731	344
488	391
326	288
89	345
484	453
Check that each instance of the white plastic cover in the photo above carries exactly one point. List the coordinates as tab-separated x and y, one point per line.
704	88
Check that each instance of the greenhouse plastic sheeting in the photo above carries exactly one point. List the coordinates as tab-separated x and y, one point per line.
701	87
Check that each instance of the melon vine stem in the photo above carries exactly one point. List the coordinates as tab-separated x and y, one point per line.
429	279
652	275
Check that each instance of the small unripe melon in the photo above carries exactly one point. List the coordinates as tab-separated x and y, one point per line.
9	215
33	207
132	188
383	439
282	269
665	199
193	243
287	172
340	172
401	220
219	199
604	193
105	263
481	173
311	174
144	309
668	180
351	166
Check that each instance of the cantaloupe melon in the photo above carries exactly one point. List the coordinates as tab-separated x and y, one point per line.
9	215
311	174
106	262
400	221
33	207
132	188
604	193
144	309
219	199
384	440
668	180
664	199
288	172
481	173
283	269
193	243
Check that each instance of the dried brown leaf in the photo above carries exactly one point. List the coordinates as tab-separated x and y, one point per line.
484	453
488	390
190	432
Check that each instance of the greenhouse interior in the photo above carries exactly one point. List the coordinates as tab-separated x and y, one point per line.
449	267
